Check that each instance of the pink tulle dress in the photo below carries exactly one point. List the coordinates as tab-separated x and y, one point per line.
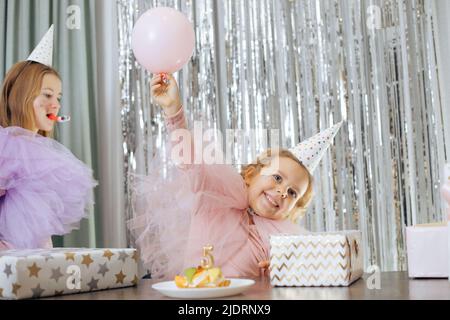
178	212
44	189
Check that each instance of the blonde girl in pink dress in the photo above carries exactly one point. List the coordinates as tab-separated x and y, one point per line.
179	211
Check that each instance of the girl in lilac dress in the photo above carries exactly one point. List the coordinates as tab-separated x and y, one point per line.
191	205
44	188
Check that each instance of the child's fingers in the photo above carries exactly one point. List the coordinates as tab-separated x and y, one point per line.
164	78
156	79
169	77
156	86
156	89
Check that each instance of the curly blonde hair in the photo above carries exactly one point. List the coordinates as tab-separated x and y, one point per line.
251	170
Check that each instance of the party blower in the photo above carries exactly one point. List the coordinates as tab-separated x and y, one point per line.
163	41
60	119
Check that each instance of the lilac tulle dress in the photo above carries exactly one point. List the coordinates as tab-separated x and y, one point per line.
45	188
178	212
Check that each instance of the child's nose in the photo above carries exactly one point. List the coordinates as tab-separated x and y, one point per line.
283	194
55	105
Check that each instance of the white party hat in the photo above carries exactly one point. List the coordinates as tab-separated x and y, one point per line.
43	53
311	151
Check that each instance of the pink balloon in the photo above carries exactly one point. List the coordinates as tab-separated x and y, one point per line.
163	40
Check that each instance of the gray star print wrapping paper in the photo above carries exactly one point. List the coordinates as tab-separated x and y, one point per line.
48	272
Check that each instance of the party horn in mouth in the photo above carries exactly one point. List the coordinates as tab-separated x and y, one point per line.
59	118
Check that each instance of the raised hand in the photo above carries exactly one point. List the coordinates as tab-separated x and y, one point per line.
164	91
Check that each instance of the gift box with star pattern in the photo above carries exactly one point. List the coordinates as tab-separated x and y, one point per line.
48	272
316	259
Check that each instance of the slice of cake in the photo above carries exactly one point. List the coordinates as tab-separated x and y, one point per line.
201	278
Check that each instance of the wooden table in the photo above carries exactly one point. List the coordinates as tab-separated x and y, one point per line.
394	285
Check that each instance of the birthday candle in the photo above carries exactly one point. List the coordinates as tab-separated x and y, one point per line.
207	261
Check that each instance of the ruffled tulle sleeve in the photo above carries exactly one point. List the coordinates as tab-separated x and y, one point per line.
203	177
174	199
47	189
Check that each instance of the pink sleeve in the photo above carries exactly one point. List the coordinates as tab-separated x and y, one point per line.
202	177
195	173
176	121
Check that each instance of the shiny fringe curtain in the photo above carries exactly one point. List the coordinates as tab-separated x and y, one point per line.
300	66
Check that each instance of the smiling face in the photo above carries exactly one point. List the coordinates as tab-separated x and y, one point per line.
47	103
275	190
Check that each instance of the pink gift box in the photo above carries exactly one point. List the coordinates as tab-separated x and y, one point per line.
428	252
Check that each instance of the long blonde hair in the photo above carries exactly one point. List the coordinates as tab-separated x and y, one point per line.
251	170
21	86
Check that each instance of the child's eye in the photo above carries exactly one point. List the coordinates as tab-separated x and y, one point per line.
47	95
292	193
277	178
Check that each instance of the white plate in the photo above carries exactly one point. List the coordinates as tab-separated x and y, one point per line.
169	288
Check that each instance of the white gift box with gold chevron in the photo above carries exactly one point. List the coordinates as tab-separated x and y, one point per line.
48	272
316	259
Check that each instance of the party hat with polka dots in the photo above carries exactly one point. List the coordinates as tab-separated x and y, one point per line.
311	151
43	53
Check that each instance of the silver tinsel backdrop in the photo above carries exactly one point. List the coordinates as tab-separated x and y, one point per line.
300	66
